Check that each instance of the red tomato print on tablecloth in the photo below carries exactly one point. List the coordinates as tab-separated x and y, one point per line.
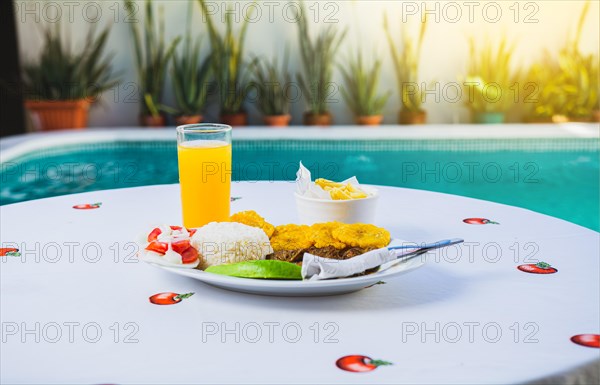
357	363
537	268
88	206
9	252
168	298
587	340
479	221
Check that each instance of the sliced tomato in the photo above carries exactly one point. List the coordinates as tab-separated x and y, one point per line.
180	246
153	236
175	227
189	255
158	247
192	231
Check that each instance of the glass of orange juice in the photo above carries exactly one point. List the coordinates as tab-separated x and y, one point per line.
204	154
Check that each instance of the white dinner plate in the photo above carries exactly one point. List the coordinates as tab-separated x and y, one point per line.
293	288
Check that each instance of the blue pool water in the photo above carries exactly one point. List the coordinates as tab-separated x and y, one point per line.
551	176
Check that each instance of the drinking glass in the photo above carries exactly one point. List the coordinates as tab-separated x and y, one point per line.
204	157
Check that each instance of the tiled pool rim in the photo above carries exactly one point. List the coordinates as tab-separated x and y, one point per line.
527	137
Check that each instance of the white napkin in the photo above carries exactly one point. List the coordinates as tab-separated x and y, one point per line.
307	188
317	268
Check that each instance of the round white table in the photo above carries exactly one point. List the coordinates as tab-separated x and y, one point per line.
75	304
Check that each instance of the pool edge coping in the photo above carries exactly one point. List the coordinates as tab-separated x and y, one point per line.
15	146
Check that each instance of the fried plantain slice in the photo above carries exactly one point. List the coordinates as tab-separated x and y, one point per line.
320	234
291	237
362	235
251	218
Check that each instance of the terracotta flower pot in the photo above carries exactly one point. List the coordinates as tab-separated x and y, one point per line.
489	117
596	116
311	119
153	121
412	117
182	120
235	120
60	114
277	120
370	120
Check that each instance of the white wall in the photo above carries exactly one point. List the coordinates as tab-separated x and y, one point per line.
444	54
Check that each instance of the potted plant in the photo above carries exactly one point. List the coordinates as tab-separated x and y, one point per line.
565	89
594	85
406	66
190	78
566	84
488	82
152	58
61	85
318	59
271	84
360	91
230	70
578	74
543	92
595	82
579	77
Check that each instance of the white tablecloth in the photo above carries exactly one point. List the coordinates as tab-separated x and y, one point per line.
75	308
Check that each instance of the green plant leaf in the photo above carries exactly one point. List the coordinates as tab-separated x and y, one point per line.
271	84
360	89
406	65
229	67
318	58
60	73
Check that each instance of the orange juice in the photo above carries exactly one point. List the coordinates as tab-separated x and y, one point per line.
205	179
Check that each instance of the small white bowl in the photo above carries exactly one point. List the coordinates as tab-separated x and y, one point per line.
313	210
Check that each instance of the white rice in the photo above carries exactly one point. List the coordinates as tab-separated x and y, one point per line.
230	242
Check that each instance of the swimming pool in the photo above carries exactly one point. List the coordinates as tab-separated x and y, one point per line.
554	176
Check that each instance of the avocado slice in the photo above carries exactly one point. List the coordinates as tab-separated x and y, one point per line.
261	269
